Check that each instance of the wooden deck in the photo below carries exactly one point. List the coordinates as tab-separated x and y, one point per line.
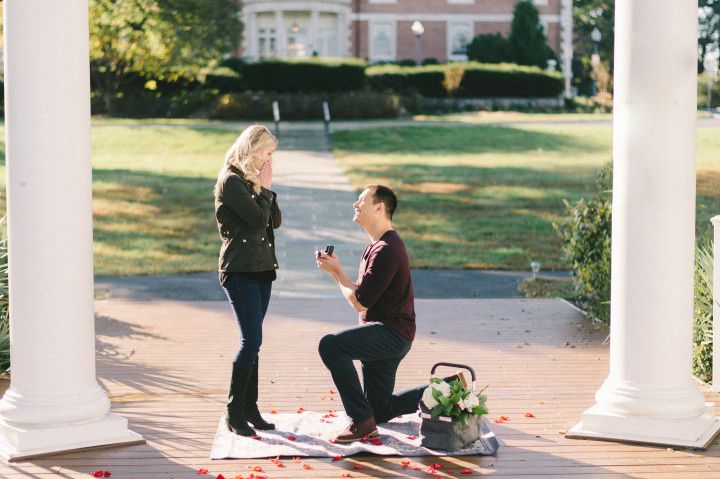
166	367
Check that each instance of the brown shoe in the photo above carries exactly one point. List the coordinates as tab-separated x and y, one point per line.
358	431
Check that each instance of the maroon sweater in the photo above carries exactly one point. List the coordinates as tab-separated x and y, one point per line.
385	287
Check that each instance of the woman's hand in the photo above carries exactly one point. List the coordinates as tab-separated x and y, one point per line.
265	176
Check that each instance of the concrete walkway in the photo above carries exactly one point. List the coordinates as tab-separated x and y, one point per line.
316	199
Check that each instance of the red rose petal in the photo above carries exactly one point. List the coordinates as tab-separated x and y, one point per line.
307	466
529	414
437	466
292	438
201	471
257	438
220	476
358	467
347	474
97	474
337	458
466	471
297	459
300	410
405	464
258	469
412	438
106	474
274	411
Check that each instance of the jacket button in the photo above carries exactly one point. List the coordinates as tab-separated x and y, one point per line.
252	196
269	244
275	264
244	241
262	239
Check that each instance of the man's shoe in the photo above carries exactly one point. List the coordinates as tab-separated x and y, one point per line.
358	431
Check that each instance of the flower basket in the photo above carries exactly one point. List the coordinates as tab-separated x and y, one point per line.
451	414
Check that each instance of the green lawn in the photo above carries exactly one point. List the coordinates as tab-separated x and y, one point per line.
474	196
481	196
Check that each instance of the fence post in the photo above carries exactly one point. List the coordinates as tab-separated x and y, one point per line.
716	307
326	120
276	118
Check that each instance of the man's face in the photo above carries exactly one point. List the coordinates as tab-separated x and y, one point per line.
364	208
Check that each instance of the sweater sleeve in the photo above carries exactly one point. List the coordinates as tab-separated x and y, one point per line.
253	208
381	268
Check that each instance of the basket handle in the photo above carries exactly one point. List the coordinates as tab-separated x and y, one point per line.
454	365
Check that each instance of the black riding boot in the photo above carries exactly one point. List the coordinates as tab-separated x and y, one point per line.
236	421
252	413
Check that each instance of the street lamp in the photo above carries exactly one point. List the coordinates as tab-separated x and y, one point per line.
595	36
417	29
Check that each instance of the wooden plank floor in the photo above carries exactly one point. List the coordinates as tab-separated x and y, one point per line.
166	365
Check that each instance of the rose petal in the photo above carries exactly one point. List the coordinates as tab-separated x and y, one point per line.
358	467
450	471
258	469
106	474
437	466
412	438
405	464
257	438
307	466
337	458
274	411
239	477
300	410
201	471
529	414
97	474
466	471
297	459
347	474
292	438
220	476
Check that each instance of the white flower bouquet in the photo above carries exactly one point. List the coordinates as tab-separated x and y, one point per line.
453	400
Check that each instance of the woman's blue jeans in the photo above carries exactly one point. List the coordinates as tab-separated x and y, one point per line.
249	299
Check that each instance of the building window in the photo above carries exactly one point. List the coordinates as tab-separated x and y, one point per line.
458	36
382	41
267	42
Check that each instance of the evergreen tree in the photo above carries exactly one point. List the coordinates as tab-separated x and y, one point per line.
490	48
527	38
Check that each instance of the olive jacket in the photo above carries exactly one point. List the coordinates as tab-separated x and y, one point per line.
245	221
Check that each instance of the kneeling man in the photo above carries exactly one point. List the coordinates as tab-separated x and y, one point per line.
383	296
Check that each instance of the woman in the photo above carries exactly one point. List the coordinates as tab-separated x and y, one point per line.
246	212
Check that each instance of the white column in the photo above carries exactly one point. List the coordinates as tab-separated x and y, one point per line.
314	34
249	42
281	32
566	50
54	402
650	395
716	304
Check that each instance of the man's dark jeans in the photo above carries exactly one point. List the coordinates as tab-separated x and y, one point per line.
249	299
380	349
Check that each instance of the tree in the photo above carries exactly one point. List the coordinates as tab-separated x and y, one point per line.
490	48
527	37
709	34
588	15
157	39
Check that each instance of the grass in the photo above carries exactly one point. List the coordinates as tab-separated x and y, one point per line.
475	196
482	196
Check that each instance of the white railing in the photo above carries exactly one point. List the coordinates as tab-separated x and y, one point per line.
716	307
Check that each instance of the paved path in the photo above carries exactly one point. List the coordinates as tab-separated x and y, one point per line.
316	200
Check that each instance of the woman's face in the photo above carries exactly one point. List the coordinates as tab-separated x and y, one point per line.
264	156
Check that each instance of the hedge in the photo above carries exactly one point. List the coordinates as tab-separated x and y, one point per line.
343	106
479	81
306	75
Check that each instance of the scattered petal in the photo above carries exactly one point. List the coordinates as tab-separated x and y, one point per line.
239	477
257	438
300	410
97	474
220	476
297	459
307	466
107	474
274	411
405	464
347	474
332	391
412	438
201	471
358	467
529	414
337	458
377	442
450	472
437	466
292	438
258	469
466	471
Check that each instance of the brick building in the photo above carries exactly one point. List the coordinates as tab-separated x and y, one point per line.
379	30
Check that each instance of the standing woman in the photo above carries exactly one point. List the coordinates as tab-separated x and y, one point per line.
246	212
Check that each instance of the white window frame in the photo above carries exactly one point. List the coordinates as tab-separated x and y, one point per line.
463	2
390	27
452	27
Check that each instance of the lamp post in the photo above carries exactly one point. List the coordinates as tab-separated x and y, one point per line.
417	29
595	36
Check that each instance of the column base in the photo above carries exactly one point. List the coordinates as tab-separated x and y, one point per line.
696	432
20	443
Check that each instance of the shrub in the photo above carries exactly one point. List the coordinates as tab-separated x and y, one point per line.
407	62
586	234
305	75
479	81
343	106
702	92
4	300
224	80
490	48
431	61
703	317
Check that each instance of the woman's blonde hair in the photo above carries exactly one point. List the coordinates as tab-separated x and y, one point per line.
243	153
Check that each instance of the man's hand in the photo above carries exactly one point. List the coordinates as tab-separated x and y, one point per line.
265	176
329	263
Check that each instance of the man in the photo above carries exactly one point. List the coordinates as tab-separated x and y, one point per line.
383	297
